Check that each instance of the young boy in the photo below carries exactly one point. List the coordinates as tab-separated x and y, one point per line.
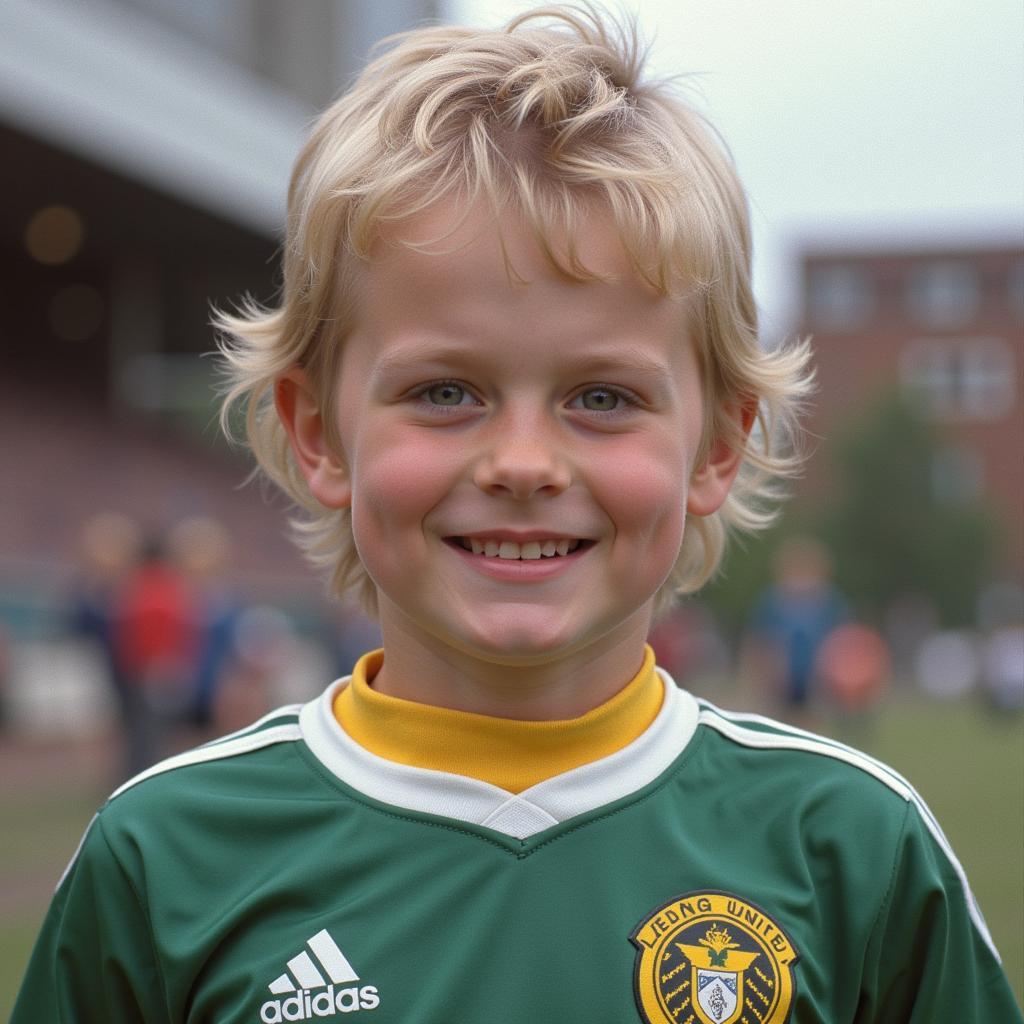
514	381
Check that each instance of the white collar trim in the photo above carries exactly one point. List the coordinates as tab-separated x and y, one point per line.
519	815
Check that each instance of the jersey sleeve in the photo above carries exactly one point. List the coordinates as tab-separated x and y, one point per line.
94	959
931	959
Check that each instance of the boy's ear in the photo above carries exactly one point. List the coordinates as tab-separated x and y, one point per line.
710	482
325	471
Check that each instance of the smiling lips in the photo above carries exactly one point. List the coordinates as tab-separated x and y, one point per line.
512	550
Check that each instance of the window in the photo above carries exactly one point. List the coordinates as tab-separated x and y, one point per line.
943	294
962	378
840	297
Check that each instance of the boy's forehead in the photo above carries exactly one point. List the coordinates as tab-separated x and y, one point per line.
447	285
449	237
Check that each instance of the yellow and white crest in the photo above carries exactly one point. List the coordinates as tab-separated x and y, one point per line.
712	958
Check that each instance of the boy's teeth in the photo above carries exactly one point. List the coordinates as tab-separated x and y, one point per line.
510	549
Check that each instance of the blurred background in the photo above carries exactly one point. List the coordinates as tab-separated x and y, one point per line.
148	598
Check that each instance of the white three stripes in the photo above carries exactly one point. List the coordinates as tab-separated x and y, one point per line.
305	971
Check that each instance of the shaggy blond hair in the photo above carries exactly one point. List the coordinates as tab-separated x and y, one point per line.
547	116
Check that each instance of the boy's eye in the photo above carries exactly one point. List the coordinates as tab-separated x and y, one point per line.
600	399
445	394
605	398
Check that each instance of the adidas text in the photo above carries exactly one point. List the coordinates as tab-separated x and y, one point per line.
306	1005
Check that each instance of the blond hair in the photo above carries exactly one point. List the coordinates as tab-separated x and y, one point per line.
547	116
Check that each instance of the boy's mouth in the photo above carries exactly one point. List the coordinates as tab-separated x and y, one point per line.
512	550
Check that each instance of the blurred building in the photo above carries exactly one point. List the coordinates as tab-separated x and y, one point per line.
147	146
945	325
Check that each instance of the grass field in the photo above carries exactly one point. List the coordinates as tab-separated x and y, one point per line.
967	764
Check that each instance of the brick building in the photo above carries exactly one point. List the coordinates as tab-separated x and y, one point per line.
945	325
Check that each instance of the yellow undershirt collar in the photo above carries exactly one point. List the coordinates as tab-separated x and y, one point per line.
505	752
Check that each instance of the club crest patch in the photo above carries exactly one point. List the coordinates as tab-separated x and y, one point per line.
713	958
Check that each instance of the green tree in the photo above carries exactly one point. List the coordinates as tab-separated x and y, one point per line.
890	531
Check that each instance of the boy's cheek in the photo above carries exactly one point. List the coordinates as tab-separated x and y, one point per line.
402	478
646	501
639	484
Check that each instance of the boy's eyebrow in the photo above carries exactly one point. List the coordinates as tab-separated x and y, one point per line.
636	360
412	354
623	357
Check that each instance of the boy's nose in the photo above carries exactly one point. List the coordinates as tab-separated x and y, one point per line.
522	466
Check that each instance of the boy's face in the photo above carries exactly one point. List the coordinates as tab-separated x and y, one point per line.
523	417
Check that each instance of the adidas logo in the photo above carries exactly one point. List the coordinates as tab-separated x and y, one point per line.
308	994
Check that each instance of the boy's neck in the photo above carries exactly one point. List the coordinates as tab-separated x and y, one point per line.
421	669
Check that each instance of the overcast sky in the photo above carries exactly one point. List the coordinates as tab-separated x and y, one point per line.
852	121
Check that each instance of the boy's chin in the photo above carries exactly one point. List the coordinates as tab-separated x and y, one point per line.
518	645
509	637
519	640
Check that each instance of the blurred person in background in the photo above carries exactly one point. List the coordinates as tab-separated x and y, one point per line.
854	667
109	548
201	546
155	640
789	624
5	672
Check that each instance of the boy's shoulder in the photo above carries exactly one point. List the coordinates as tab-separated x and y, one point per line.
801	768
247	766
814	799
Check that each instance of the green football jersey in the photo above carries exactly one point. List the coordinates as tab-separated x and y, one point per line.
721	869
